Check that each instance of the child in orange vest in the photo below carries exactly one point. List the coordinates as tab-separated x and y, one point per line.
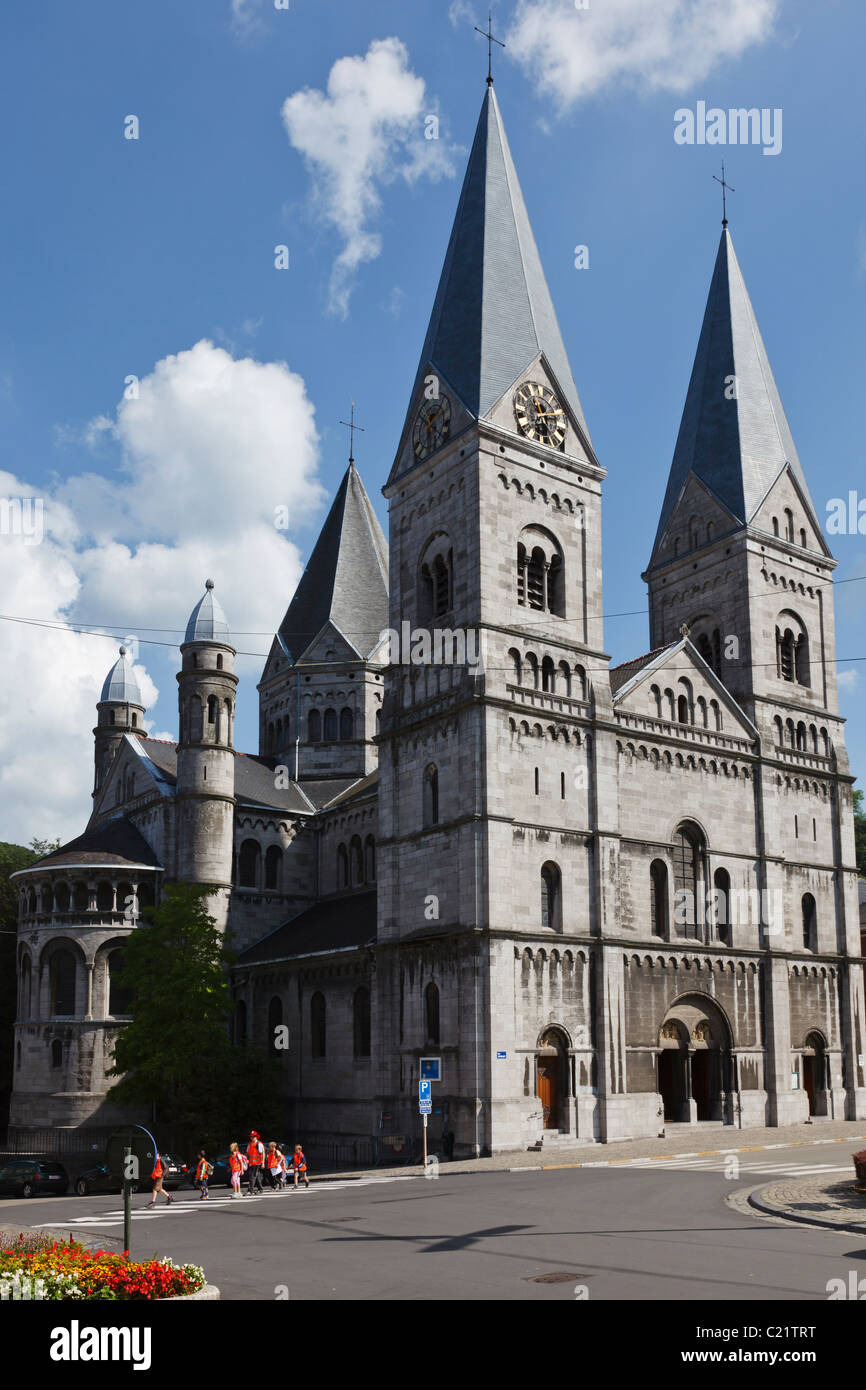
202	1168
235	1168
273	1159
299	1164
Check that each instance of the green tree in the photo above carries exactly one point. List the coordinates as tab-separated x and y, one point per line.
176	1054
860	832
12	858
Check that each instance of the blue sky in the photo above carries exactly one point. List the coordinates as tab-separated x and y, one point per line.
154	258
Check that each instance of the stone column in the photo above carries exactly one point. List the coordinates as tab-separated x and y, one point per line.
89	1010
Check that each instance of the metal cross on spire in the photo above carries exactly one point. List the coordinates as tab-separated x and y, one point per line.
352	427
491	40
725	187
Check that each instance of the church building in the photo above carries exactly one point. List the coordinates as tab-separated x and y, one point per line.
607	899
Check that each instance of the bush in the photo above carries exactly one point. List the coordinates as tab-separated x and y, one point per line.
36	1266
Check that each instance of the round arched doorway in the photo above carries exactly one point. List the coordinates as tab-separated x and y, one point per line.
551	1077
694	1061
815	1073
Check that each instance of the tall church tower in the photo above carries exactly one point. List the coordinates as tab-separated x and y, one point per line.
321	690
205	752
740	558
486	772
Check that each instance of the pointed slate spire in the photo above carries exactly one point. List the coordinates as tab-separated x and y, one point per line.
737	445
493	313
346	579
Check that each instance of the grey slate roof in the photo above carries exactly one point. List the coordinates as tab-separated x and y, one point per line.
207	621
121	684
346	579
254	778
333	925
492	313
116	842
622	674
737	447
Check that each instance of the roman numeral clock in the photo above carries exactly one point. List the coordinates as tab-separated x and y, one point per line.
432	426
539	415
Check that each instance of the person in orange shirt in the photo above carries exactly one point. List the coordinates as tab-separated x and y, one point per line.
255	1158
235	1168
156	1177
273	1159
202	1171
299	1164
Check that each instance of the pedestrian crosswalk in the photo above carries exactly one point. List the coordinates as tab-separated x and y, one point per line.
724	1163
185	1206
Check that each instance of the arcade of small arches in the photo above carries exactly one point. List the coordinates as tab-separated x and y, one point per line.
436	578
329	726
555	732
812	740
549	499
793	585
792	649
66	982
356	863
206	720
793	534
79	895
548	676
540	571
681	706
665	759
253	869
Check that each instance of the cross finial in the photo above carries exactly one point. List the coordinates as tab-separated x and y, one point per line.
352	427
491	40
725	186
685	630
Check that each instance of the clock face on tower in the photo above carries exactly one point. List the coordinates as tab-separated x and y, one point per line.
539	415
432	426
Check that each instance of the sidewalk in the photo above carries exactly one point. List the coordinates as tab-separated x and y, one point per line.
680	1141
818	1201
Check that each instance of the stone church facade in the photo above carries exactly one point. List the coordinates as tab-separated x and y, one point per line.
608	899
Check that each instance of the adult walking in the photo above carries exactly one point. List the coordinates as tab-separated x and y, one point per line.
255	1159
156	1178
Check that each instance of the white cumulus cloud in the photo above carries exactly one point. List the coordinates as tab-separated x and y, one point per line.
572	53
210	459
367	130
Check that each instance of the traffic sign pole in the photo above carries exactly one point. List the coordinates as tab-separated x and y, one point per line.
424	1118
127	1202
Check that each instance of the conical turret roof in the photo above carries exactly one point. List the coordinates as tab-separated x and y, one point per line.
207	621
121	684
734	435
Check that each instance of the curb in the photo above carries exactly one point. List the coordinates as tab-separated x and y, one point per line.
785	1214
209	1293
445	1169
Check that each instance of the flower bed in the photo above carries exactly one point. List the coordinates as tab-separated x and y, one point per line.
40	1267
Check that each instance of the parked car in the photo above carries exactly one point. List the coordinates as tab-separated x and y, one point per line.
27	1177
102	1179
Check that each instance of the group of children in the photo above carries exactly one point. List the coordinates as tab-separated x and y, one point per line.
255	1162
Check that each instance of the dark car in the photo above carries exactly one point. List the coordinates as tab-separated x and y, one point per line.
27	1177
102	1179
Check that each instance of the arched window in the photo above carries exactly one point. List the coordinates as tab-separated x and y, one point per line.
275	1021
273	864
248	864
436	577
688	849
551	894
62	979
792	650
314	726
710	531
370	860
24	1000
271	737
104	897
810	923
431	1013
803	541
318	1039
361	1022
659	897
694	539
540	572
565	677
120	996
211	709
342	867
356	861
547	676
219	661
431	795
780	731
532	670
579	683
656	695
801	737
111	716
241	1023
330	729
61	897
347	723
56	1054
682	709
81	896
722	886
775	526
789	524
516	665
701	712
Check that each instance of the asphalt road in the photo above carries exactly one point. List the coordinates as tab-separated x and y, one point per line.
660	1231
